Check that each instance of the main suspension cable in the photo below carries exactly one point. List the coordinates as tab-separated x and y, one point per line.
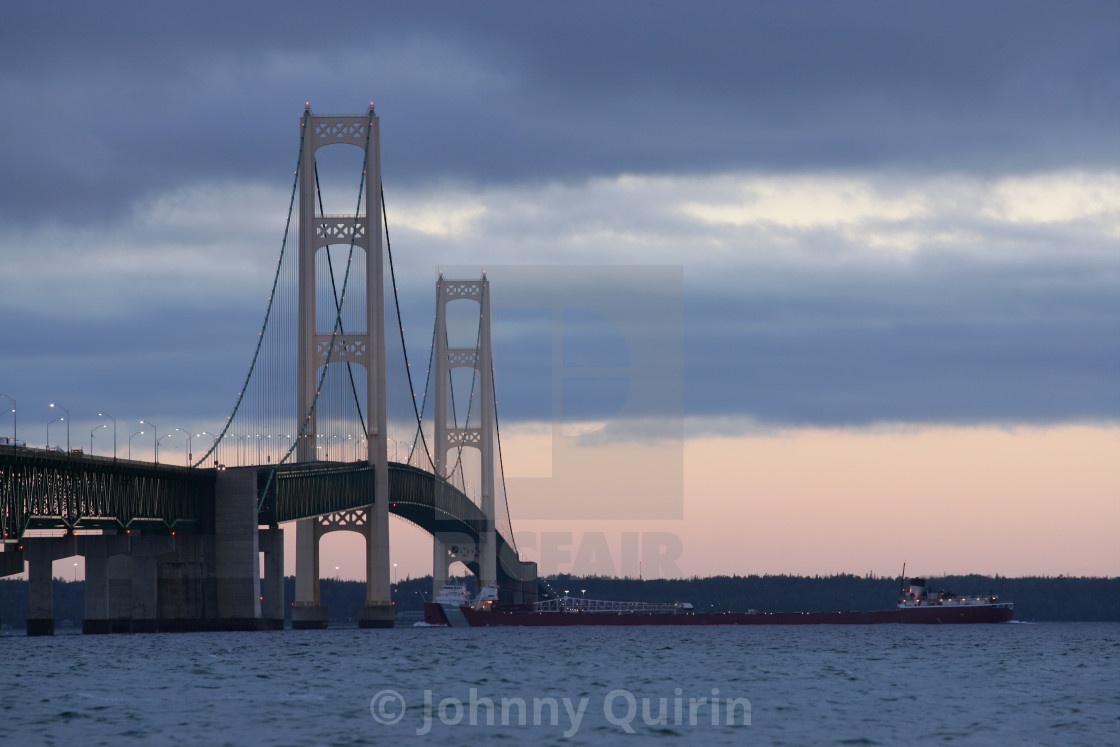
501	464
271	301
400	327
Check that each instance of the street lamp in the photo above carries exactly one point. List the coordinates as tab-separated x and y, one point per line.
91	430
67	425
283	449
15	435
239	447
137	433
189	452
394	573
155	441
215	444
165	435
104	415
49	430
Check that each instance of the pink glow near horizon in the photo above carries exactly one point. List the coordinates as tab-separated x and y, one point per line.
1014	502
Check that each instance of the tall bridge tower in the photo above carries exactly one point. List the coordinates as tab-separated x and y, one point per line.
477	431
364	347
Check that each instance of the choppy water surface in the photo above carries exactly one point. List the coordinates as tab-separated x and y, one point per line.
887	684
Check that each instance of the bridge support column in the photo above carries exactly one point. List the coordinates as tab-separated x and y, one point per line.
272	607
441	565
144	552
525	588
378	609
118	588
236	547
97	618
40	613
11	559
41	552
100	552
307	613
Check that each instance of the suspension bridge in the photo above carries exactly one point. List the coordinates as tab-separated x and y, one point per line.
347	440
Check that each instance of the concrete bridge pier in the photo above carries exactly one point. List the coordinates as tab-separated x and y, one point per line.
441	564
237	548
144	552
41	552
272	604
118	592
307	612
40	613
99	552
96	619
523	588
378	609
11	559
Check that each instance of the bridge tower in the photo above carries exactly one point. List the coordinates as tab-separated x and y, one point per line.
362	347
478	432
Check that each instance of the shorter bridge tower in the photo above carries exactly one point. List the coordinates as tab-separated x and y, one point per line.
477	432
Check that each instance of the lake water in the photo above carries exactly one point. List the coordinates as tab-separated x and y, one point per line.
1046	683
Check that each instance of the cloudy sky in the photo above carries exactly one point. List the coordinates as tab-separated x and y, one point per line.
895	229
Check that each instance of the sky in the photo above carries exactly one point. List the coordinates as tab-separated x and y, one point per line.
870	248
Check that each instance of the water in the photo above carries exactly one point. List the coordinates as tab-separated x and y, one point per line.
1046	683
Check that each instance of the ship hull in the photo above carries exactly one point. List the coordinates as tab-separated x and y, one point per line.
434	614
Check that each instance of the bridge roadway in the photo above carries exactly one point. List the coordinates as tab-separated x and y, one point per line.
42	489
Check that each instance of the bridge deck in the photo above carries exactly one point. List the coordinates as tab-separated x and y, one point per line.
40	489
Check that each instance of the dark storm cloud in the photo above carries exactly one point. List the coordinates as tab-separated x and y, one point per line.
159	126
107	101
965	342
823	365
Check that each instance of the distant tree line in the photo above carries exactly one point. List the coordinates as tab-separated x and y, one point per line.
1036	598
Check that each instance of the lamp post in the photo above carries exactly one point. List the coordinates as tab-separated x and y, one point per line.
15	434
49	430
91	430
286	447
188	451
137	433
215	444
67	424
104	415
239	447
155	441
160	439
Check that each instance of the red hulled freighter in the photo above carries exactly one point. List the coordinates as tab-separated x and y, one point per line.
917	604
